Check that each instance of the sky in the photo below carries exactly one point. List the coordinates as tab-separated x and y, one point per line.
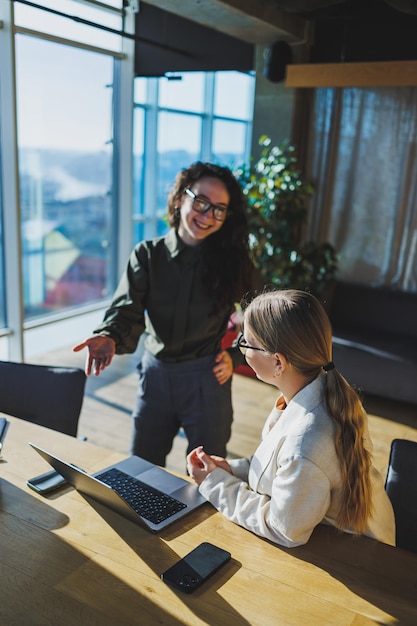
63	101
64	93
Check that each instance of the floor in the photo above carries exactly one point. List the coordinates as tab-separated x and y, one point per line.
106	414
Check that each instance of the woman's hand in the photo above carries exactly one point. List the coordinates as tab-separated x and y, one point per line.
200	464
224	367
101	350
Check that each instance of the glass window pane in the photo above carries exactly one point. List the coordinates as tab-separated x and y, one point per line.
50	22
140	90
65	169
2	281
179	140
117	4
233	95
138	163
186	94
138	173
229	143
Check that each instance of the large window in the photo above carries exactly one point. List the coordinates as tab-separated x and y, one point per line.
181	119
65	168
91	154
65	90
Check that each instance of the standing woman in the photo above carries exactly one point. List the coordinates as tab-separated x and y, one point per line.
314	462
181	290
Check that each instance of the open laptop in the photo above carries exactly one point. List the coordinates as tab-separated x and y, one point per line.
141	491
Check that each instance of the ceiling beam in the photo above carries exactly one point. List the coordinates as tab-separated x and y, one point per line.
252	21
366	74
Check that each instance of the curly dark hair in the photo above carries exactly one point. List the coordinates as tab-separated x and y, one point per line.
227	266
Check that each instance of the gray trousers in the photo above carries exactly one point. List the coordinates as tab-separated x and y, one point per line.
175	395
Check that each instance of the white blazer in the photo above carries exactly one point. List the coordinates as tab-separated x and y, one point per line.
292	482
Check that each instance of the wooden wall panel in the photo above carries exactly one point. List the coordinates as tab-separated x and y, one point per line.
367	74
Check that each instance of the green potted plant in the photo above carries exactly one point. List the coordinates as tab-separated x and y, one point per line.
277	198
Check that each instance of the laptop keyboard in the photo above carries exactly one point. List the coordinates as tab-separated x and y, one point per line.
149	503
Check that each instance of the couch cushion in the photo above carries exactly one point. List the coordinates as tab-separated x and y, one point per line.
381	309
376	372
383	345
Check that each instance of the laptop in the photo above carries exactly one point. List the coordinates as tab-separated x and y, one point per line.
137	489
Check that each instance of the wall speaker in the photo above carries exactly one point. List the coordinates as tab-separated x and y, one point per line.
277	57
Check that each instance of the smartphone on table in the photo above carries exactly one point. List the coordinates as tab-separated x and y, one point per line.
196	567
46	483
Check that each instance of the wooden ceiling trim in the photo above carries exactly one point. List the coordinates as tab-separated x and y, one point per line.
366	74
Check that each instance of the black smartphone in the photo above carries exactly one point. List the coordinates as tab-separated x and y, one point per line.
191	571
45	483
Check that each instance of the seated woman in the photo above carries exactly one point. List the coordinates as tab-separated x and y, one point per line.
314	462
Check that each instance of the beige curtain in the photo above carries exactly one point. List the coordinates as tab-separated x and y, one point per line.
362	157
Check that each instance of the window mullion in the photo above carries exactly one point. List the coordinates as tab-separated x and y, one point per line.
123	131
11	196
150	174
207	125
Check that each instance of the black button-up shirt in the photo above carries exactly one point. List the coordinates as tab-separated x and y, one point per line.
162	293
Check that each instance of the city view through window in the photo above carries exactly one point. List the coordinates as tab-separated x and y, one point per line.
65	169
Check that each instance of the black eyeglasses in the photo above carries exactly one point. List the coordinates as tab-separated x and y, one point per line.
243	346
202	205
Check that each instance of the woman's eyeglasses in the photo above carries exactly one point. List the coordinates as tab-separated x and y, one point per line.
243	346
202	205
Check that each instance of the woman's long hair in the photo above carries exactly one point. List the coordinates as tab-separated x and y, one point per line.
294	323
226	262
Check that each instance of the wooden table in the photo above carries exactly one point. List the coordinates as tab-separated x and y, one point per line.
68	561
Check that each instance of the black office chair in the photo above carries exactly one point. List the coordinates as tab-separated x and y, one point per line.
401	487
46	395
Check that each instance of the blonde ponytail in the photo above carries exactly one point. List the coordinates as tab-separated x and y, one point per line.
345	407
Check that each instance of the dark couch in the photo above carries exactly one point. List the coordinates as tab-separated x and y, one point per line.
375	339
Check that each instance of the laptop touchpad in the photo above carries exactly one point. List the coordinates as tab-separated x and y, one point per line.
164	481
